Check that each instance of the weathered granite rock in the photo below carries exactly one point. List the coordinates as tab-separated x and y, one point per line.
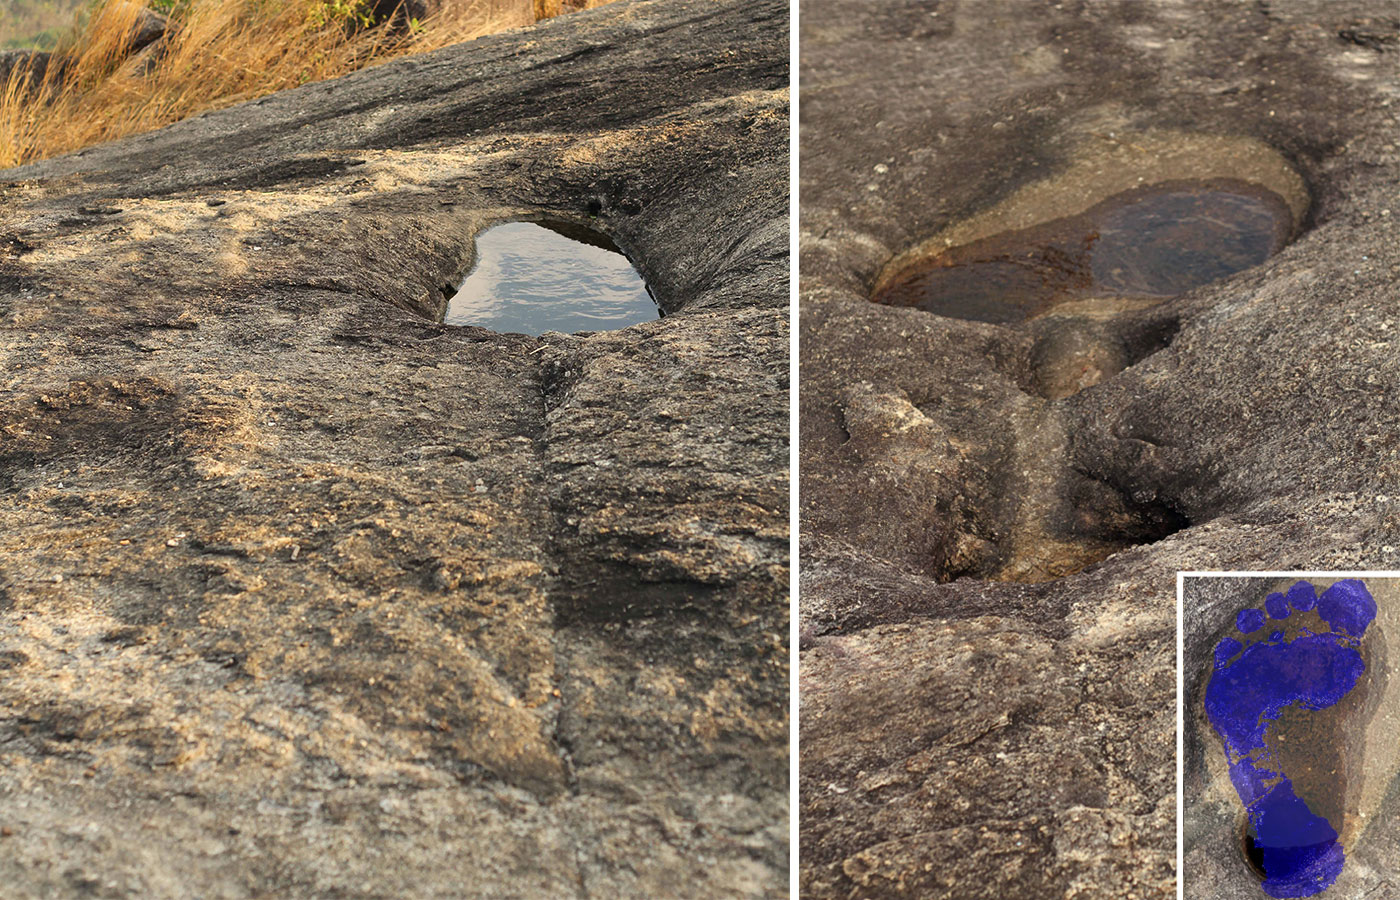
35	66
148	27
303	594
31	65
988	589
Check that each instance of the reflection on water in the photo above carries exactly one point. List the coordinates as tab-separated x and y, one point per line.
534	277
1156	241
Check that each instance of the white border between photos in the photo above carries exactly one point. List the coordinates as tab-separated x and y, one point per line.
1181	682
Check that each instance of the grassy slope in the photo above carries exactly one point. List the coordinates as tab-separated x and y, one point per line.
35	23
217	52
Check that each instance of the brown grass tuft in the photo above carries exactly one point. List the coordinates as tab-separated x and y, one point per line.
215	53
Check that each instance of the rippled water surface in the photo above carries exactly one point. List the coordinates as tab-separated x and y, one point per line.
533	277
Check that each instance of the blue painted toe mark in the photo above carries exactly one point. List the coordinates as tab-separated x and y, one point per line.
1299	851
1249	621
1227	648
1302	597
1348	606
1276	606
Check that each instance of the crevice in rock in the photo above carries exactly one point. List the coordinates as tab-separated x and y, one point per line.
1032	515
1149	334
1071	354
589	589
1061	521
562	744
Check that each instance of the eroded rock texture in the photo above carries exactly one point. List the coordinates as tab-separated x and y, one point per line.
302	594
989	575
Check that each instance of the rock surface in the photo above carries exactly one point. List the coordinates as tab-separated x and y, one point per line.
988	587
42	67
304	594
32	64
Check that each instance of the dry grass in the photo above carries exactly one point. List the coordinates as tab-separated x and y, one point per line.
215	53
26	23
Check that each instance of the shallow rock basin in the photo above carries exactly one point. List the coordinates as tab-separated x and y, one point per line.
533	277
1152	242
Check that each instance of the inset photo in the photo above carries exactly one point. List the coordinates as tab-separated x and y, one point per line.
1290	752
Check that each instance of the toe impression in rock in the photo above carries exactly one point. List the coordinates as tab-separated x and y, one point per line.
1300	653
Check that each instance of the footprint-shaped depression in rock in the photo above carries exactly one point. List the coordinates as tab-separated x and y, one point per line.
1277	699
533	277
1153	242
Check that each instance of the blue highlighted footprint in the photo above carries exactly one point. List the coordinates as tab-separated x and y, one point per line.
1256	678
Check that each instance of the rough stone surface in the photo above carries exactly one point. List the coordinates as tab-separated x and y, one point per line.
36	66
149	26
32	64
304	594
988	588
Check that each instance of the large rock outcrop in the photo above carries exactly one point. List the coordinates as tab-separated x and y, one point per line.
988	575
304	594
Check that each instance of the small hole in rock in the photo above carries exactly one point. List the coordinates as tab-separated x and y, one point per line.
1132	250
1253	855
533	277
